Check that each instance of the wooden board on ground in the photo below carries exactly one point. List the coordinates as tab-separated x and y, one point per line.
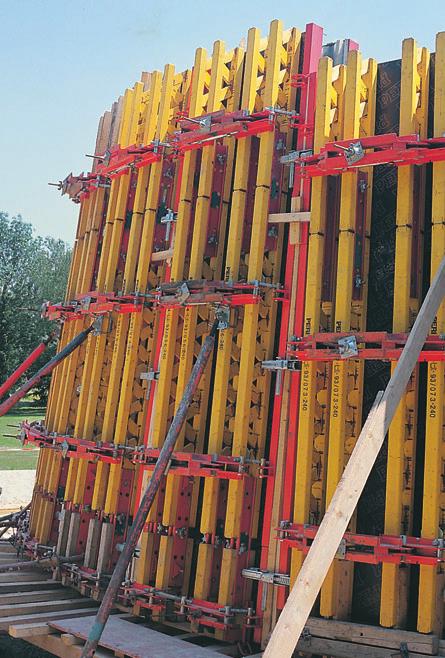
338	649
14	620
40	594
23	576
54	645
15	585
134	640
45	606
372	635
23	631
6	547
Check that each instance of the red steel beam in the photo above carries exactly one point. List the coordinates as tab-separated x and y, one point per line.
387	149
369	549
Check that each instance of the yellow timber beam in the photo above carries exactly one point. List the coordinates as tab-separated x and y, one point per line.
347	376
96	345
431	606
402	433
221	94
241	428
251	82
139	276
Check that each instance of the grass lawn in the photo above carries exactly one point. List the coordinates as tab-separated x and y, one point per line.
26	459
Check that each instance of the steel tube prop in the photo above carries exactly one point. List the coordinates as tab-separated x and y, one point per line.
45	370
149	496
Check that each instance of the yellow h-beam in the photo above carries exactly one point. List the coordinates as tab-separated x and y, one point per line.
431	607
402	433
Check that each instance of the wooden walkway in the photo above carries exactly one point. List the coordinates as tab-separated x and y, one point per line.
40	610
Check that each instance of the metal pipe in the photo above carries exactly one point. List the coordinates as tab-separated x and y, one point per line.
45	370
149	496
52	561
4	388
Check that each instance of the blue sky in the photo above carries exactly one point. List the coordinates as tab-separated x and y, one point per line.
63	63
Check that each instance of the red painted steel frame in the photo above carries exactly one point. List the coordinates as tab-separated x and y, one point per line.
187	464
201	292
306	82
194	134
387	149
370	549
371	345
199	612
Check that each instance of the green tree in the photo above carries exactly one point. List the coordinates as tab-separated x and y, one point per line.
32	270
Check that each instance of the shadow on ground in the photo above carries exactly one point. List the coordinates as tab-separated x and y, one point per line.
10	648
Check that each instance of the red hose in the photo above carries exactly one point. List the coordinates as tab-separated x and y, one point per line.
45	370
4	388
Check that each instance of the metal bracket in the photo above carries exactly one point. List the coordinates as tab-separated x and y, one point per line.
281	364
269	577
341	550
205	122
278	110
183	293
156	143
222	314
293	156
353	153
347	347
97	324
65	447
306	635
151	375
169	217
403	652
85	303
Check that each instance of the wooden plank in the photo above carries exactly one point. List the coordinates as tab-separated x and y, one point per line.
162	255
69	639
36	595
338	649
372	635
44	606
344	501
106	539
28	586
93	540
13	620
289	217
134	640
23	576
24	631
73	533
6	557
54	645
64	527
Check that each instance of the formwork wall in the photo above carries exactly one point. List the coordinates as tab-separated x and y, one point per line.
268	445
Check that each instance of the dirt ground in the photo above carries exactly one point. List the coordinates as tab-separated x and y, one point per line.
16	489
